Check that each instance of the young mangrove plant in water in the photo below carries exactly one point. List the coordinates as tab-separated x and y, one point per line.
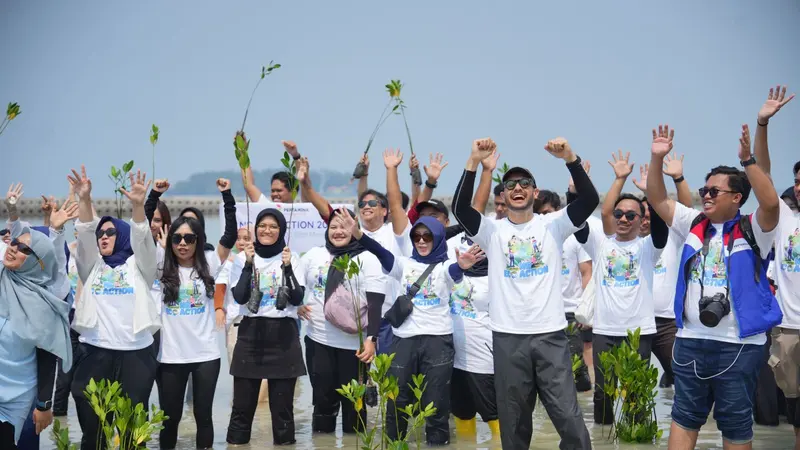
631	383
11	113
153	142
119	177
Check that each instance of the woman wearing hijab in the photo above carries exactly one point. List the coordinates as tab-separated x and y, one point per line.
34	330
269	288
116	315
333	354
423	333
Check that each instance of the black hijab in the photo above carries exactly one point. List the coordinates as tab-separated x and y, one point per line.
268	251
202	219
335	277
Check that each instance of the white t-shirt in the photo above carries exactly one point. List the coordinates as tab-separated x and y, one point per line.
316	263
431	313
388	240
72	275
623	284
787	266
572	279
233	310
115	299
714	279
469	308
525	272
270	279
665	277
188	333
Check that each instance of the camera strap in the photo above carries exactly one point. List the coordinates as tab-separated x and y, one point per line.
727	259
418	284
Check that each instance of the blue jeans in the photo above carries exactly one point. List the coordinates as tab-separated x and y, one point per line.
29	440
719	374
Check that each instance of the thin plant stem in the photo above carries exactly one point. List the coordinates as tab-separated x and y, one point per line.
403	113
381	121
250	101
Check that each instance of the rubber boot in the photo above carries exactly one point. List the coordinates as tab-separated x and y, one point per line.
494	425
466	428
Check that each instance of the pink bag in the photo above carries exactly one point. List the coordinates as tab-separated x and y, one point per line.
340	311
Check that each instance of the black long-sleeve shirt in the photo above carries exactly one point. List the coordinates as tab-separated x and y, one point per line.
46	363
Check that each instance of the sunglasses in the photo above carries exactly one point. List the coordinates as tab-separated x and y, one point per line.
372	203
712	192
4	232
189	238
425	237
27	251
107	232
522	182
628	215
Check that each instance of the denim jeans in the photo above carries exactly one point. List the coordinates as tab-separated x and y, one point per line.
719	374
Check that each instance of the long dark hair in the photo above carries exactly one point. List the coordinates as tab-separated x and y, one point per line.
170	278
166	218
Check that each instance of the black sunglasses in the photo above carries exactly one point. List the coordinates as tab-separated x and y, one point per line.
25	250
107	232
629	215
426	237
372	203
189	238
712	192
523	183
4	232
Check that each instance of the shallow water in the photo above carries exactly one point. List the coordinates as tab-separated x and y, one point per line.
544	435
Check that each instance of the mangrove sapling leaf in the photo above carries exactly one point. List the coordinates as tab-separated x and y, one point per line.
153	142
498	178
12	111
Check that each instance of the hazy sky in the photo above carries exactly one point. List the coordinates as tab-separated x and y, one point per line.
93	76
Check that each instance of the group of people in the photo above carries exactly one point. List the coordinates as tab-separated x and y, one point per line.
483	307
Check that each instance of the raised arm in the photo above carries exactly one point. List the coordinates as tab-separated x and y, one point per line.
363	183
622	169
58	217
142	243
462	208
87	251
587	198
13	196
768	212
656	190
433	170
485	184
673	168
392	159
775	101
228	239
385	257
150	206
309	194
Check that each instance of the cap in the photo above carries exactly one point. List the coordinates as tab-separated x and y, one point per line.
519	170
433	203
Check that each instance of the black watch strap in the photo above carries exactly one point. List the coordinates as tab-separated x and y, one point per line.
749	162
44	406
431	185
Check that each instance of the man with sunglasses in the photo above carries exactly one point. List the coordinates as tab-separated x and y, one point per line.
526	311
723	302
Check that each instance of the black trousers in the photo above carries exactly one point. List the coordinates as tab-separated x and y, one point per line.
64	381
603	404
583	382
662	345
431	356
328	369
172	391
471	394
281	407
527	366
134	369
7	436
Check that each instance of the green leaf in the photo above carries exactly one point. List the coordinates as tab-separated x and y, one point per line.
127	167
114	172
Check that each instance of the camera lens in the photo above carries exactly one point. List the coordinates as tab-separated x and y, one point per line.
712	314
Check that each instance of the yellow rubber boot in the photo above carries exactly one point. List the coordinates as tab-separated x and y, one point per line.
466	427
494	425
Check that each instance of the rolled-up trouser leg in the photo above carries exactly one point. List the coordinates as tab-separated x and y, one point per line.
515	388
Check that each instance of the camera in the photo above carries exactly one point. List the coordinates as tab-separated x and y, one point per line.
713	309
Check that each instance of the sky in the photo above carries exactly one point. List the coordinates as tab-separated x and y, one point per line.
91	77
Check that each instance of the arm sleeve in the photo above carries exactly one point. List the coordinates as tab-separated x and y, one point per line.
587	200
374	307
454	274
151	204
466	216
384	256
241	292
228	238
298	291
45	374
658	229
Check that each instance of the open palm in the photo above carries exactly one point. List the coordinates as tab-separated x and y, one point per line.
139	186
673	166
434	169
81	183
775	101
470	257
392	158
622	168
662	141
641	183
60	216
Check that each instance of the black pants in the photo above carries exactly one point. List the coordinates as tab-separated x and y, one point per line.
431	356
662	345
473	393
531	365
64	381
328	369
281	407
583	382
172	379
134	369
603	404
7	436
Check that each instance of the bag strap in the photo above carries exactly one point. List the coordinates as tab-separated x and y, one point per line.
418	284
747	231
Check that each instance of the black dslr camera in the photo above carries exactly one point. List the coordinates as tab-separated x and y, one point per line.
713	309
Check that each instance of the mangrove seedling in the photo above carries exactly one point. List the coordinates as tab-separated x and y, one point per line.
119	177
11	112
394	87
498	177
153	142
265	70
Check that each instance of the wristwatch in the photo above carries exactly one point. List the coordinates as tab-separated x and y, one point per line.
374	339
44	406
748	162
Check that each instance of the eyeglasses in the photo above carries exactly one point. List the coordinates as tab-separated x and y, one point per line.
4	232
372	203
712	192
523	183
110	232
628	215
189	238
424	237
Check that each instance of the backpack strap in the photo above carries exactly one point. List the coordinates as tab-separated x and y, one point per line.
418	284
747	231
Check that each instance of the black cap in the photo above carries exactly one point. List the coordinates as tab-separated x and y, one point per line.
519	170
433	203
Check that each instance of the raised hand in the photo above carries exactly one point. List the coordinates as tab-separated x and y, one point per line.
60	216
641	183
470	257
13	195
587	167
302	169
662	141
291	149
775	101
48	204
413	162
249	251
744	144
223	184
559	147
365	161
490	163
347	221
434	169
163	232
622	168
286	257
138	190
161	185
482	149
81	183
392	158
673	166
